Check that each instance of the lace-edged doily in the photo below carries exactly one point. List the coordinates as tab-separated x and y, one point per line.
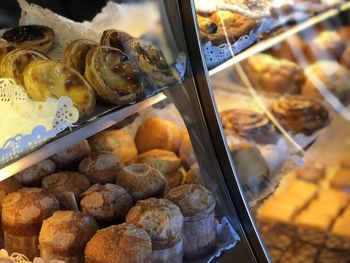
19	258
27	124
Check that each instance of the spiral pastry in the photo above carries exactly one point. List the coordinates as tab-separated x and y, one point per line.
300	114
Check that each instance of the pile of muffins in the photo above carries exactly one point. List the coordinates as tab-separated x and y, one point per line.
307	220
114	198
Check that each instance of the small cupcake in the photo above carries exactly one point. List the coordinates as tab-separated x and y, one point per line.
119	244
106	203
197	206
64	235
163	221
22	215
142	181
70	158
33	175
101	167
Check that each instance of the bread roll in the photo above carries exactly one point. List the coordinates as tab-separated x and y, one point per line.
119	142
163	221
70	158
142	181
22	215
106	203
64	235
33	175
119	244
156	133
186	152
101	167
197	206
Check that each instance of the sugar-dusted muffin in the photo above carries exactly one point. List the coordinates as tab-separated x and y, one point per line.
186	152
70	158
122	243
64	235
118	142
197	205
157	133
33	175
23	212
163	221
101	167
106	203
142	181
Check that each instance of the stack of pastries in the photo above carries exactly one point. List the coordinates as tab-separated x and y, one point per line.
114	198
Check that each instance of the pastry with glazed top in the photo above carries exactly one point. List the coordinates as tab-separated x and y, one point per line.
163	221
118	142
273	75
115	38
329	76
186	152
142	181
312	172
197	205
13	63
75	54
33	175
193	176
59	183
299	114
249	125
70	158
34	37
47	78
112	75
157	133
64	235
101	167
106	203
122	243
23	212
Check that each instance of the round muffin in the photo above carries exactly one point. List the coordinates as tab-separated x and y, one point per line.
23	212
106	203
142	181
161	219
186	152
64	235
193	176
8	186
118	142
59	183
33	175
123	243
330	75
101	167
156	133
70	158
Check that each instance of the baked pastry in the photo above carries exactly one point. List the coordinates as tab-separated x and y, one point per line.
34	37
344	33
157	133
175	178
13	63
224	27
70	158
5	48
115	38
345	162
328	75
23	212
75	54
106	203
299	114
101	167
33	175
118	142
62	182
123	243
289	49
163	221
273	75
341	180
186	152
345	58
193	176
47	78
112	75
312	172
64	235
249	125
197	205
142	181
